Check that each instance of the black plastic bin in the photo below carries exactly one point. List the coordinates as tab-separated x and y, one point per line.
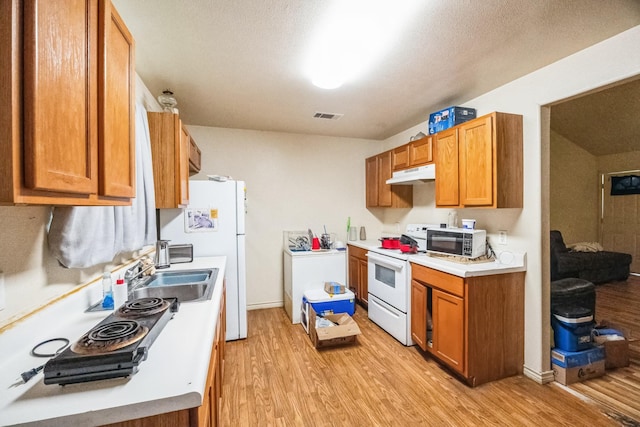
573	292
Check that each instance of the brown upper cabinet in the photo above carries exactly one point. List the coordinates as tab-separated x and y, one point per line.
195	155
415	153
381	194
67	110
479	163
170	154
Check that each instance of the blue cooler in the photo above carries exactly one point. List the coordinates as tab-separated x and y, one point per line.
324	303
572	328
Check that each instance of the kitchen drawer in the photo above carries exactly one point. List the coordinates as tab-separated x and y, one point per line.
357	252
437	279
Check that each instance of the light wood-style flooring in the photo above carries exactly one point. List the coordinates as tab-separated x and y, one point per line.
276	378
618	391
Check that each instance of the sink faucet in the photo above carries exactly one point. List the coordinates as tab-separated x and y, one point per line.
133	274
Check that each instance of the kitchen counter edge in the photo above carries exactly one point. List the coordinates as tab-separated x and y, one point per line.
507	262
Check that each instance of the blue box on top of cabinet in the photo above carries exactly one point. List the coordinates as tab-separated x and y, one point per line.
449	117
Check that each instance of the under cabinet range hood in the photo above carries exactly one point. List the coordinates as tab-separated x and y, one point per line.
412	176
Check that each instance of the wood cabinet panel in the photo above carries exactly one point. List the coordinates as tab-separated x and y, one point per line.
438	279
170	155
371	167
419	314
421	151
448	329
183	165
446	148
413	154
478	334
116	105
60	144
60	112
476	162
479	163
195	157
400	157
364	282
385	196
358	274
379	193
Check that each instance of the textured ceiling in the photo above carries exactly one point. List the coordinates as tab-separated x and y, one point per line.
604	122
239	64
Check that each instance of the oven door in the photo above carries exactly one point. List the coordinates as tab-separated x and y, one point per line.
388	280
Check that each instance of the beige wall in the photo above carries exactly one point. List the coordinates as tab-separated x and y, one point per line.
574	191
294	182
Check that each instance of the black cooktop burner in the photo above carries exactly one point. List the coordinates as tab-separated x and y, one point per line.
114	347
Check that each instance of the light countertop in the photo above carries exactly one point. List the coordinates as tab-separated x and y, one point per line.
506	262
172	377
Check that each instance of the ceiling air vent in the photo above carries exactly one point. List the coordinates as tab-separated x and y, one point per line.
328	116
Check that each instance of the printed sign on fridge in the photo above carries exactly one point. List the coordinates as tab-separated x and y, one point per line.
200	220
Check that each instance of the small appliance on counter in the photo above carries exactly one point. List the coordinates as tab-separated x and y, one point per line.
466	243
114	347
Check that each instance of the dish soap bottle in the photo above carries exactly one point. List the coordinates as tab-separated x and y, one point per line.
107	293
120	293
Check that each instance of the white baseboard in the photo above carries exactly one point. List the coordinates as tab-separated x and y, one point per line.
539	377
262	305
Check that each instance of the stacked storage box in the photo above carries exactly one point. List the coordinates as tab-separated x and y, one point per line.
574	366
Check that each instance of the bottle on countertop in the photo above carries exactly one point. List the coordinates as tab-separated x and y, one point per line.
120	293
107	292
363	233
452	220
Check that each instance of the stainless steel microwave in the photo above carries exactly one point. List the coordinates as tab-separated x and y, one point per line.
457	241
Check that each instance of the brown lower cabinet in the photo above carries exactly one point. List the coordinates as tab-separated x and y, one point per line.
358	274
473	325
207	414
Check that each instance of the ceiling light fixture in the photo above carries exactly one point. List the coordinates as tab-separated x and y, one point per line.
354	35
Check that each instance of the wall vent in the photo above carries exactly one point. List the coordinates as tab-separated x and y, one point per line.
327	116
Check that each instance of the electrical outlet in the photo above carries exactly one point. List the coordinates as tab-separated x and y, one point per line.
502	237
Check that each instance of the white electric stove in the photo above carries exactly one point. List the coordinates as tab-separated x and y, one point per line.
389	274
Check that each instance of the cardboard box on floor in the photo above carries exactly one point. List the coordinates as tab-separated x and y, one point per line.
616	354
343	332
574	366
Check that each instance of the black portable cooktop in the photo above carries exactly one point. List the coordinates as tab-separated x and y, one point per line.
114	347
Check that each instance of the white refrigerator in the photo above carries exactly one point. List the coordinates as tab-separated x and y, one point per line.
214	223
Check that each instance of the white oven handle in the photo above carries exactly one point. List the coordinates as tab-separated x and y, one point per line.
386	261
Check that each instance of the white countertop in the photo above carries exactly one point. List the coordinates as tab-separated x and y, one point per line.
506	262
172	378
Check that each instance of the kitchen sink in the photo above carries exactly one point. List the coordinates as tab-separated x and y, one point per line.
186	285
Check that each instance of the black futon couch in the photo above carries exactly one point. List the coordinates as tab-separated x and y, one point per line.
595	267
